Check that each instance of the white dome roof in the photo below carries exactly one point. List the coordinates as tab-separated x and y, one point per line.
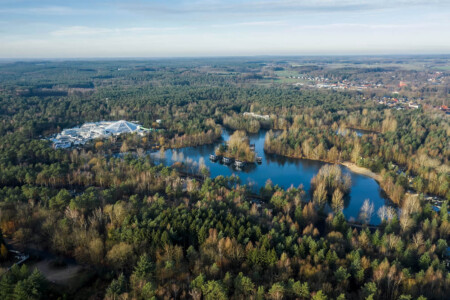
122	127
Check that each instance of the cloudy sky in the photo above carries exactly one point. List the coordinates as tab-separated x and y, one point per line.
151	28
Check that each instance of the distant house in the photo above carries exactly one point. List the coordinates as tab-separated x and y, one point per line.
239	164
226	160
413	105
251	114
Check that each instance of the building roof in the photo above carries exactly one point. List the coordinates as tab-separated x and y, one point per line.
121	127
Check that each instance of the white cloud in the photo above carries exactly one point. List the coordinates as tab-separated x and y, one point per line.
253	8
347	26
200	43
80	30
233	27
250	24
91	31
43	10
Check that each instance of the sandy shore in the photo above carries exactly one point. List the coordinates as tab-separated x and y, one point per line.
361	170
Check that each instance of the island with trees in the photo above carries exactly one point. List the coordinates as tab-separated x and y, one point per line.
237	148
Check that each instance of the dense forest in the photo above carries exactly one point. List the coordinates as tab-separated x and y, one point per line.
412	142
141	230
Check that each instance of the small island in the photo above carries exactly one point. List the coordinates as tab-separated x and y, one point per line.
238	149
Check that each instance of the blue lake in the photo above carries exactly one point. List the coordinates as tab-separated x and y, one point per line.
282	171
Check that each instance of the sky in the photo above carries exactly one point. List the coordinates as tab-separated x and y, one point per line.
195	28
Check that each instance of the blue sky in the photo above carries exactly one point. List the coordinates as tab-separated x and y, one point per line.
149	28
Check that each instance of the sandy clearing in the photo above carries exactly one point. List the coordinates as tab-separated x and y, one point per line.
363	171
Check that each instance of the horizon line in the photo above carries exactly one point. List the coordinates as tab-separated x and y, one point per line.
220	56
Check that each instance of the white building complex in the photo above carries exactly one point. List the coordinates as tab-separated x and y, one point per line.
89	131
251	114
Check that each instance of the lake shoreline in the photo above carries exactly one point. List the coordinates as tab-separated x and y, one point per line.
361	170
364	129
284	171
351	166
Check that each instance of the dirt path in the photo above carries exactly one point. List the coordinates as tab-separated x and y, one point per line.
44	261
362	171
60	275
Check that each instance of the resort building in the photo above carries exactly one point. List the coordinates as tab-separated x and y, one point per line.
89	131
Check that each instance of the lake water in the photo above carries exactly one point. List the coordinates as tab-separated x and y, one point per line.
282	171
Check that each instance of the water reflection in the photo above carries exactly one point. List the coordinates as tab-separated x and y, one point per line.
282	171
